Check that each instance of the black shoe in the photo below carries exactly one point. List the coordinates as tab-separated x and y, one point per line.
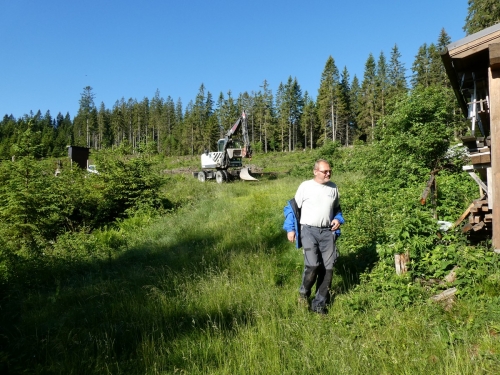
320	310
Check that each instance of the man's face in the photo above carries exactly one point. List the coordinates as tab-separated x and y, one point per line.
323	173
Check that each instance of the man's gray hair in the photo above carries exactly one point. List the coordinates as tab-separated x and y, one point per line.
318	162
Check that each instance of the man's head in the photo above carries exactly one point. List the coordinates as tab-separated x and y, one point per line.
322	171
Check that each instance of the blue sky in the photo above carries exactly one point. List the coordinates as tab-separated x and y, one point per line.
52	49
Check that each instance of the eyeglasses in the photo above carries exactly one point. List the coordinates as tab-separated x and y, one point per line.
329	171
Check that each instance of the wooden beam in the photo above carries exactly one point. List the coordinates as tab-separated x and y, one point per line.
494	50
481	184
480	158
494	91
489	182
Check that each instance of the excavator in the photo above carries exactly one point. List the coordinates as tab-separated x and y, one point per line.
226	163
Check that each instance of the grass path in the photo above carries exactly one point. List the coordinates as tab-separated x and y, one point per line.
212	289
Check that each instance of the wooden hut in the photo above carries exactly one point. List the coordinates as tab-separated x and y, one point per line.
473	67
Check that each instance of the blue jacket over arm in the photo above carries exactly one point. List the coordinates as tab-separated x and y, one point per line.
292	220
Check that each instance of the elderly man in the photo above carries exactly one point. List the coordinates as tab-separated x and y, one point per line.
312	220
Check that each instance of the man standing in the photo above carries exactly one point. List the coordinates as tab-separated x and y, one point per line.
320	217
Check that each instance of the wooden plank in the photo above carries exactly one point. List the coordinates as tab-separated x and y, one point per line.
481	184
469	167
479	202
463	216
468	139
479	158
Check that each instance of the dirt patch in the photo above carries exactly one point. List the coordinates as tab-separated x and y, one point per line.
187	170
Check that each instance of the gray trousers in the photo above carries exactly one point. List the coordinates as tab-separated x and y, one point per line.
320	254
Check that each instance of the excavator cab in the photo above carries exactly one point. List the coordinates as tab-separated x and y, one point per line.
221	145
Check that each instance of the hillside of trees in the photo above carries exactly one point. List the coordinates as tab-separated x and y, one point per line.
344	110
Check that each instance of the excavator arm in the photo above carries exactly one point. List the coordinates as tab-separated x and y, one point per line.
241	122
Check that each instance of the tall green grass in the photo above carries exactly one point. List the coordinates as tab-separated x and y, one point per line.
211	288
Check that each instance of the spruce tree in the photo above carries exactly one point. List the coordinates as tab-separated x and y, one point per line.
481	14
105	136
382	85
344	108
443	40
327	99
309	121
368	116
420	68
83	123
355	104
294	104
169	125
264	115
282	111
396	74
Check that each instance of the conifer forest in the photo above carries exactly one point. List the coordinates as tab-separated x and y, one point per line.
344	109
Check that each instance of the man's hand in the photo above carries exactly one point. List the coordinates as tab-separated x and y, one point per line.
291	236
335	224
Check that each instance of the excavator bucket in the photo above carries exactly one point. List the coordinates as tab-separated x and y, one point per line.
245	175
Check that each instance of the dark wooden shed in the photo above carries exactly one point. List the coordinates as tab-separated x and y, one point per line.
473	67
79	155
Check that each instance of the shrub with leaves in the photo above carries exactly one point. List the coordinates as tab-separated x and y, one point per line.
413	138
125	186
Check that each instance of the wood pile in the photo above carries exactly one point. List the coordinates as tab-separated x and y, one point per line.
480	215
479	149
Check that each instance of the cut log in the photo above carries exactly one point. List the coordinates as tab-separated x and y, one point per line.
427	189
448	293
401	261
452	276
478	226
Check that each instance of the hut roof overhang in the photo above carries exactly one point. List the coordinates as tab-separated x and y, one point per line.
467	61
